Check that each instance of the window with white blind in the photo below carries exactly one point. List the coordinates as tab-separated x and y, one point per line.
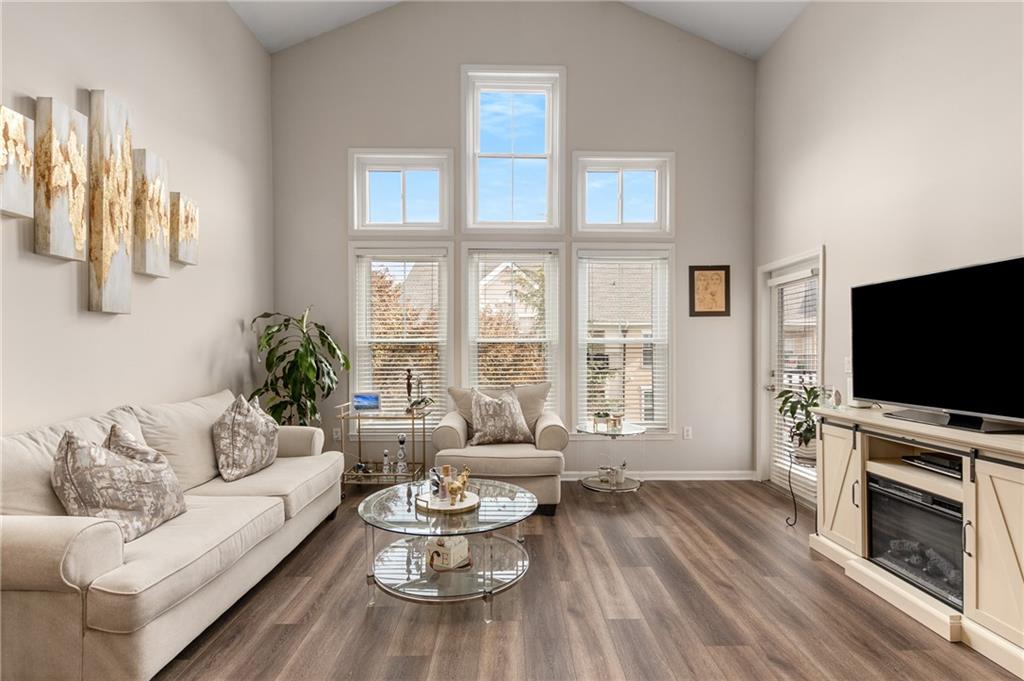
400	322
623	335
795	361
512	318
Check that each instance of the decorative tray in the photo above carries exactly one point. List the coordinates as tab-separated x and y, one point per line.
430	504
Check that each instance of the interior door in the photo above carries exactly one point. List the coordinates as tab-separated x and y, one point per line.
794	361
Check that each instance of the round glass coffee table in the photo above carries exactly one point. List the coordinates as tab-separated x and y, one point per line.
400	567
598	483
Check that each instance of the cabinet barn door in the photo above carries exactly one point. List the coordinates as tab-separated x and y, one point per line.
840	489
994	572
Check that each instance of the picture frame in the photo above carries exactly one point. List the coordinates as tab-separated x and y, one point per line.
710	291
366	401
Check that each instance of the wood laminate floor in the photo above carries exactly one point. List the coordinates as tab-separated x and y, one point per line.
684	580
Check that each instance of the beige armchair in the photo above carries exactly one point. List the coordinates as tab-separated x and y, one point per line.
535	466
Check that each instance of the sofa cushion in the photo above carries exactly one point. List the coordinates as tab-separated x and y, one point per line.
295	480
178	558
120	480
244	439
27	460
183	432
503	461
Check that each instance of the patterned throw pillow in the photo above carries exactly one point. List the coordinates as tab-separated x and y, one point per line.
244	439
498	420
121	480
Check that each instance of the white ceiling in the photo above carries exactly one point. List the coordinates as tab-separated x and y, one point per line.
747	28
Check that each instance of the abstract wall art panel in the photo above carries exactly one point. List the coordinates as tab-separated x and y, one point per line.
152	214
111	207
17	139
184	230
62	187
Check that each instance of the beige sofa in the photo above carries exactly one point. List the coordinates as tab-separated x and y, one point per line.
78	603
537	467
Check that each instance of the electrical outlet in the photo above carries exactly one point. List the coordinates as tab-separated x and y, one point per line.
336	434
687	432
848	364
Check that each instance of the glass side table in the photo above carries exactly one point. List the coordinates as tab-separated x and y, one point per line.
595	482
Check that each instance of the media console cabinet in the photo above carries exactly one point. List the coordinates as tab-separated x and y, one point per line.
860	528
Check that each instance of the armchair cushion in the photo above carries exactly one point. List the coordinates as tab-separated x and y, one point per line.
299	441
57	553
551	434
451	433
504	461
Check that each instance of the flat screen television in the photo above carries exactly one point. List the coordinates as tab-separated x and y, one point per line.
949	345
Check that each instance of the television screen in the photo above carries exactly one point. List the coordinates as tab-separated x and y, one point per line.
947	341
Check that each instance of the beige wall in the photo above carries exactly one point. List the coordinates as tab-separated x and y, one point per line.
198	86
890	133
633	83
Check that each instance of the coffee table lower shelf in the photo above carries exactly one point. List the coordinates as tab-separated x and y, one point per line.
401	570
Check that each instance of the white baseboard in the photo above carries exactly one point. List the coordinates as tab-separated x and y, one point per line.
674	475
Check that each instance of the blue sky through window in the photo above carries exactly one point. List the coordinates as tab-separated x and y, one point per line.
639	196
602	197
385	187
512	189
422	196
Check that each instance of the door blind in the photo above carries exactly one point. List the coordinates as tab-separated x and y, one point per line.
401	323
623	337
795	363
512	317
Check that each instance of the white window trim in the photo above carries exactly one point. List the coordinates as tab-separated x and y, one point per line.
440	248
548	78
662	162
625	249
362	160
512	247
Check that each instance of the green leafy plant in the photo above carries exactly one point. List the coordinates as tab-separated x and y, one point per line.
299	356
797	405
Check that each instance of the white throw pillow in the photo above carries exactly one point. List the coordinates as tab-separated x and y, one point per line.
121	480
244	439
499	420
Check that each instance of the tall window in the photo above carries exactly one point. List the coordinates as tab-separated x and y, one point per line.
623	335
401	322
400	189
512	128
623	193
512	318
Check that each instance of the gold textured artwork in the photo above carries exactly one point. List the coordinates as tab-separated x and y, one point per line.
184	230
17	136
61	180
152	214
111	209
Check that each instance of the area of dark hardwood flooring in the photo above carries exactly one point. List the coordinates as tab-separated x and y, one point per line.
683	580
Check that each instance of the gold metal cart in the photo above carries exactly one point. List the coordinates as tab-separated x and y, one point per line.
352	423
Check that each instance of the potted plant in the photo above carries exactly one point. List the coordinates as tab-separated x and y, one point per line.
299	357
796	404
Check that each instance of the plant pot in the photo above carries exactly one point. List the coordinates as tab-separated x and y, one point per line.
805	455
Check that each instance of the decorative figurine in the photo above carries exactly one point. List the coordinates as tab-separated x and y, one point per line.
401	466
386	466
457	487
408	386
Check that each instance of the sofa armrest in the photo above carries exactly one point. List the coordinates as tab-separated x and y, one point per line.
450	433
57	553
299	441
551	434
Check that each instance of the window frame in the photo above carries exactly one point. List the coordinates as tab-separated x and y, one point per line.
361	161
550	79
467	280
442	249
581	250
663	163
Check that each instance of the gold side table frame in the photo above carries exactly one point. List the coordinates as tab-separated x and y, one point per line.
352	423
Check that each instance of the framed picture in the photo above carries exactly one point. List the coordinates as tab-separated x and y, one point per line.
366	402
709	291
